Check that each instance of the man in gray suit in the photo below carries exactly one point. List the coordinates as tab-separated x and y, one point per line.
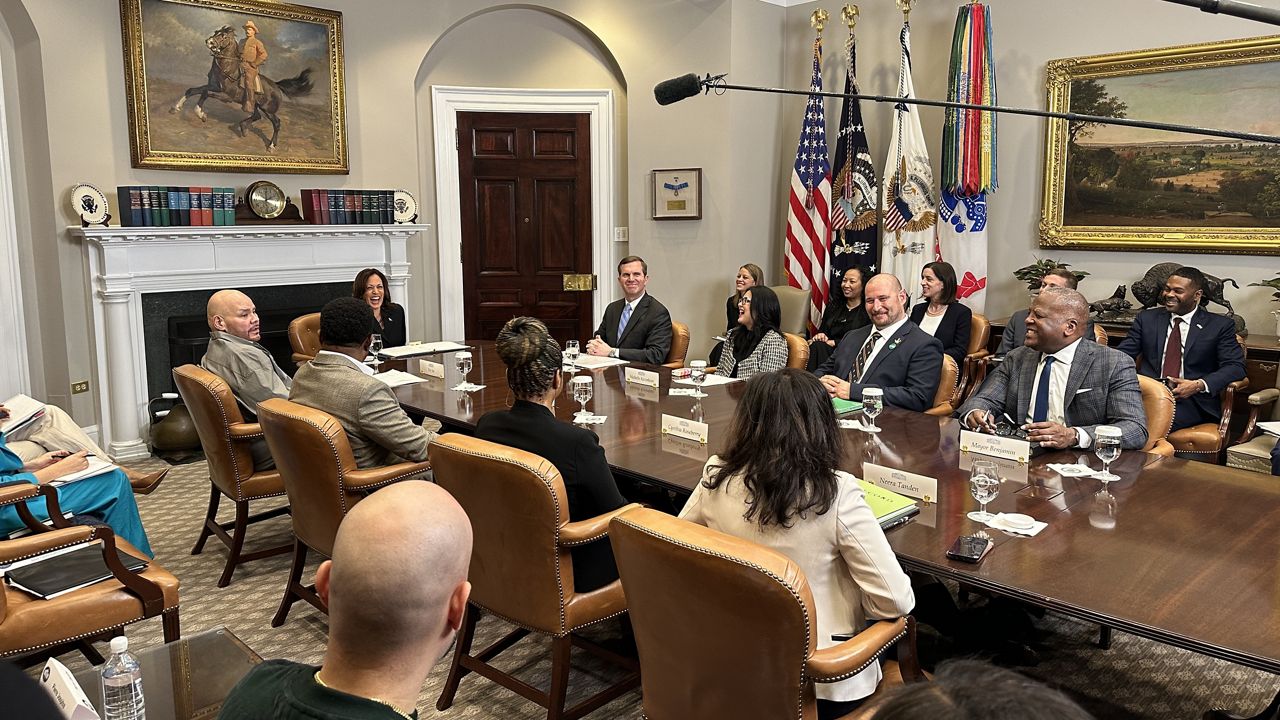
1058	388
338	382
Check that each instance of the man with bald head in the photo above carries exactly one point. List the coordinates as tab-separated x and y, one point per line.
891	353
396	590
1058	388
235	356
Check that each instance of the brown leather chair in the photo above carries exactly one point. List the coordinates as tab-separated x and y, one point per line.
725	627
1157	400
942	399
29	624
979	338
679	345
1252	450
225	438
1100	334
797	351
795	309
314	457
521	570
304	337
1208	441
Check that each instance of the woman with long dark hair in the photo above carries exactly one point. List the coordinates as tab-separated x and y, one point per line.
941	314
533	360
844	312
371	287
775	484
749	276
755	345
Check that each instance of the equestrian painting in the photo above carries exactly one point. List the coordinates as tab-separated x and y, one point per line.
240	85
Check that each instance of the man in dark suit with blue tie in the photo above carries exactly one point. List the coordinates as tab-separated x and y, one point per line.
1193	350
637	327
891	353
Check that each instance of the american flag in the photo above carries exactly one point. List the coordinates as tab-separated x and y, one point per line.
808	208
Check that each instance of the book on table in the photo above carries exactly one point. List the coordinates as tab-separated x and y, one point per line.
889	507
62	571
844	407
23	410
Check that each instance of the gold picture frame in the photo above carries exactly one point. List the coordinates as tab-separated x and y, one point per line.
1137	189
182	55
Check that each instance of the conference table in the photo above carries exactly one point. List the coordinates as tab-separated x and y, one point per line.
1177	551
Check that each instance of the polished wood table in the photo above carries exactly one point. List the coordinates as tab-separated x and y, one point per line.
1177	551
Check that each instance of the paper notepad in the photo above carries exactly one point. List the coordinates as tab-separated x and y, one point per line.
396	378
889	507
1271	427
595	362
97	466
22	410
429	348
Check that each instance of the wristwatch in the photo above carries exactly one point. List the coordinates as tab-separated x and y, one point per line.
613	353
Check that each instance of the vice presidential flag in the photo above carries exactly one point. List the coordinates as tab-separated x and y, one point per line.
808	207
853	189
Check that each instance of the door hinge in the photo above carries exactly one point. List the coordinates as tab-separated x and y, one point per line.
457	141
579	282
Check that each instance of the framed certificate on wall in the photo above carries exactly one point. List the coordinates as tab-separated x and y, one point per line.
677	194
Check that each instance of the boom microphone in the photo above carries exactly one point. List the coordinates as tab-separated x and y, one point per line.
677	89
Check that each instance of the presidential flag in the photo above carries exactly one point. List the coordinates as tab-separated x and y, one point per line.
969	155
808	207
853	190
908	200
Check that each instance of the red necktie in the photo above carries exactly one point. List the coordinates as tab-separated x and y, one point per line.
1173	351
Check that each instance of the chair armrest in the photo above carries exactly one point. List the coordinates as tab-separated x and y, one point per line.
854	655
244	431
371	478
591	529
977	355
1262	397
1162	448
674	364
32	545
1257	401
17	491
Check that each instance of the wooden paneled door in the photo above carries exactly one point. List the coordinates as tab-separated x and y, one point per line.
525	181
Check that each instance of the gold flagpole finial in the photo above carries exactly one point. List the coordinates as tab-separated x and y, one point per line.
818	19
849	13
905	7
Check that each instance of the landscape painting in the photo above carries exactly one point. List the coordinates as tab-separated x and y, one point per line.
1127	187
240	85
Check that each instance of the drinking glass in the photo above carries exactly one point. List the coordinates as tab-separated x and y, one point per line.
582	387
872	404
984	483
375	347
698	374
571	350
463	360
1106	445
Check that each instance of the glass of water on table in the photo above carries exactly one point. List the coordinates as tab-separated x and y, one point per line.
984	483
1106	445
571	351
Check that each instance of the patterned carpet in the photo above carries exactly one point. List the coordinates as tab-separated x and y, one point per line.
1136	678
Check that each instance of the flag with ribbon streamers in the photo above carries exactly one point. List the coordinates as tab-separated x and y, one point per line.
853	189
968	155
808	207
908	199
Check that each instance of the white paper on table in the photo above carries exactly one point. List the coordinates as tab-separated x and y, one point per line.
22	410
396	378
426	348
711	380
591	420
688	392
997	523
595	362
467	387
1072	470
97	466
1271	427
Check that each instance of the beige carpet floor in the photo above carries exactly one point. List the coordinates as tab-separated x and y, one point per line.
1136	678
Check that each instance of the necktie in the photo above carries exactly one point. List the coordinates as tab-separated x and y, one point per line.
626	315
1040	412
1173	351
860	363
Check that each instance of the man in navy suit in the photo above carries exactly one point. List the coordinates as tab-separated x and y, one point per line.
638	327
1193	350
891	353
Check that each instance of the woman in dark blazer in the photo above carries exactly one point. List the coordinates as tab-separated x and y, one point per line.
941	314
371	287
845	311
533	361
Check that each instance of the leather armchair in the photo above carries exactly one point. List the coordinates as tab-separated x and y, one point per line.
521	569
304	337
795	309
979	338
943	398
679	345
1209	440
29	624
320	475
1252	450
725	627
1100	335
1158	402
797	351
225	438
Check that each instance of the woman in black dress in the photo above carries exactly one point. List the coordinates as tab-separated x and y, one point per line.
844	313
749	276
942	315
371	287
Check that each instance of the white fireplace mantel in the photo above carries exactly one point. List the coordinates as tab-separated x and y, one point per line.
126	262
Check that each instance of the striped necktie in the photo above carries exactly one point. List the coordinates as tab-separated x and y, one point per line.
626	315
860	364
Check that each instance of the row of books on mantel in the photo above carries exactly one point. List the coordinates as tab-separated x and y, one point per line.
348	207
161	206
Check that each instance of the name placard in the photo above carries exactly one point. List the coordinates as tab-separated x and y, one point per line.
688	448
641	377
901	481
642	392
995	446
685	428
431	369
1008	469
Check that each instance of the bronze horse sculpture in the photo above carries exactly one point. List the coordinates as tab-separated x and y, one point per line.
224	84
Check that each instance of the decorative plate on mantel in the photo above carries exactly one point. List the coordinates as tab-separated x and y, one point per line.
404	207
90	204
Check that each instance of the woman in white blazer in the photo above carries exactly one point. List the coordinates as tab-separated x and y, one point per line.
780	488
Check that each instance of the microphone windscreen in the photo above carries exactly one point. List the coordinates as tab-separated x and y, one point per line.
676	89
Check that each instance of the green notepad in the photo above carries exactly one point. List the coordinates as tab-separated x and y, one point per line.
844	407
889	506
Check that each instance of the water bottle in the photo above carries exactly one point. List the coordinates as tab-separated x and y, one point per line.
122	684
